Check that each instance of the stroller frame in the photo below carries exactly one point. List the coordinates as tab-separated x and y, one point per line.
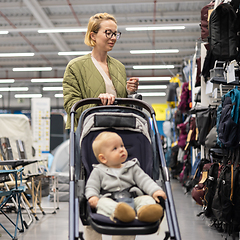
173	227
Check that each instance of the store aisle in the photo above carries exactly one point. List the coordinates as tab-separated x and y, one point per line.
55	226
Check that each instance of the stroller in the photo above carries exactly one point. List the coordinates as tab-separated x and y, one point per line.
141	139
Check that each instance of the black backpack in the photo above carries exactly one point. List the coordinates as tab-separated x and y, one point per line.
223	33
210	185
222	204
228	120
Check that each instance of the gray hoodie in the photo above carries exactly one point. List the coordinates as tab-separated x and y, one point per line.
131	174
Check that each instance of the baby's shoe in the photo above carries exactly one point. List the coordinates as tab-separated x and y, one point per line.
124	212
150	213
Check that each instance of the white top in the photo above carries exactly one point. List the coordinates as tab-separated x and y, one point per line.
108	82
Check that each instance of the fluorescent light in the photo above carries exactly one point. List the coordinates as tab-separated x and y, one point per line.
52	88
154	51
7	80
152	87
155	28
28	95
153	94
154	79
13	89
153	66
4	32
28	69
59	95
46	80
74	53
17	54
65	30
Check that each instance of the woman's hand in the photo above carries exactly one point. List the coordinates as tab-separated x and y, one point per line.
107	98
132	85
93	201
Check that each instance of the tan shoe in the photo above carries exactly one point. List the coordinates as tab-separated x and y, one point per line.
150	213
124	212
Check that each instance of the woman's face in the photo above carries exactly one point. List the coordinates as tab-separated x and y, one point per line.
104	38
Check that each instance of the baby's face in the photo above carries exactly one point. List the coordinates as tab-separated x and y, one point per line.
114	152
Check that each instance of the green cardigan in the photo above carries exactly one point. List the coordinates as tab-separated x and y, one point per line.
83	80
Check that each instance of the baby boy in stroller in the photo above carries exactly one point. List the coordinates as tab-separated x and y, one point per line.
117	189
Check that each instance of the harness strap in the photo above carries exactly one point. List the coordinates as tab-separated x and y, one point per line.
113	194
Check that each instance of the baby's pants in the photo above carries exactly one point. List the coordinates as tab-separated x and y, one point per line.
106	206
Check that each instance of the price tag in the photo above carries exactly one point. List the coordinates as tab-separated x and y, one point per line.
231	72
209	87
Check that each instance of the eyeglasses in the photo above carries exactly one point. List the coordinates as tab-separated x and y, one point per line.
109	34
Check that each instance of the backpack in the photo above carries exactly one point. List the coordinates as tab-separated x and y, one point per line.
205	14
222	204
199	190
184	98
228	120
223	33
211	185
183	135
205	122
195	172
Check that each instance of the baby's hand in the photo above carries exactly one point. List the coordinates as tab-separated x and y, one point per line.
93	201
159	193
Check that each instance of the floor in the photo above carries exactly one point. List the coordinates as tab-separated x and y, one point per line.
55	226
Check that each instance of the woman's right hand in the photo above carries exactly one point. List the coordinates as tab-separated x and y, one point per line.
107	98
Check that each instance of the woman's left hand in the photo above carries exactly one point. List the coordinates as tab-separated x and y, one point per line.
132	85
107	98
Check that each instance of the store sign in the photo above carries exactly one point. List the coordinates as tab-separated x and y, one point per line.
40	120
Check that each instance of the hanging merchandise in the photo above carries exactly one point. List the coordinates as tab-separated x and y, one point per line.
185	98
205	14
206	120
172	98
198	77
223	33
183	135
228	120
199	190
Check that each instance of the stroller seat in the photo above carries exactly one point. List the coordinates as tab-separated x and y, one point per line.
134	127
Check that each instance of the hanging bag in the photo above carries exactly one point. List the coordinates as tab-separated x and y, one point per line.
223	33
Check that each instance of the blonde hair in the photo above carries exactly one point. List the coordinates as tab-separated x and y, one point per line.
100	140
94	25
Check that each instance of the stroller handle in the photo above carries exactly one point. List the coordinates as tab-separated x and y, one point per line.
118	101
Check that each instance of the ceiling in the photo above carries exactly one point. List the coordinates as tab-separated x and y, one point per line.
23	18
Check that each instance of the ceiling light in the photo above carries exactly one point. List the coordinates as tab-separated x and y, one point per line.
64	30
153	66
16	54
153	94
7	80
4	32
152	87
52	88
28	95
13	89
74	53
154	51
141	79
46	80
59	95
27	69
155	28
0	95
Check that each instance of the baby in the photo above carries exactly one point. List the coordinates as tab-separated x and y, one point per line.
114	175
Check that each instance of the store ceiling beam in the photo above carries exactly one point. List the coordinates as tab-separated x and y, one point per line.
44	21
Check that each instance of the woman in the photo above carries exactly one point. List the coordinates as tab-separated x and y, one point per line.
97	75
